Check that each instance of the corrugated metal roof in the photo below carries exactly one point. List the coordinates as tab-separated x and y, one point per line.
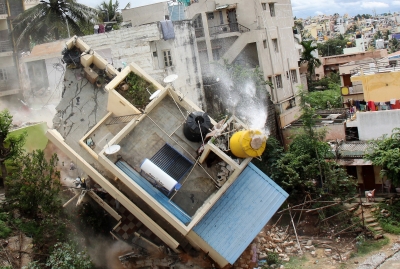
240	214
353	148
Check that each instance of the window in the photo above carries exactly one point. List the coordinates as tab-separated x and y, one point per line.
210	16
264	6
278	80
167	58
265	44
275	44
154	53
3	74
272	9
221	18
293	75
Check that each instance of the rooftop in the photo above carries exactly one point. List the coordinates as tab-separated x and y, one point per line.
93	120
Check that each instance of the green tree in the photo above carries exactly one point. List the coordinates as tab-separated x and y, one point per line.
378	35
387	34
385	152
306	166
52	19
394	45
109	11
270	157
66	256
34	186
10	146
308	57
333	46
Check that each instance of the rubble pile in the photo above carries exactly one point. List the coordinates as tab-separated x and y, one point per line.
283	242
276	240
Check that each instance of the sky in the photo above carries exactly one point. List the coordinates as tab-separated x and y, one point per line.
302	8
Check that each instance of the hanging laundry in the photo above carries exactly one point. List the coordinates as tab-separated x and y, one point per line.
396	105
371	106
357	103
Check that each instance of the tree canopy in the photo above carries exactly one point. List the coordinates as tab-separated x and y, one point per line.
109	11
385	152
307	166
34	186
307	56
52	19
333	46
11	146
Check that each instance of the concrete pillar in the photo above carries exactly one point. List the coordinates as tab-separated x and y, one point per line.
207	36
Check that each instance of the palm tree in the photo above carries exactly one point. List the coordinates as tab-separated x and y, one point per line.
51	19
110	10
308	57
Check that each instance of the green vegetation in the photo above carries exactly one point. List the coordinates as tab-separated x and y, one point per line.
52	20
365	246
385	152
272	258
295	262
111	13
307	56
325	93
33	204
35	136
137	93
11	146
5	230
390	222
304	168
34	186
333	46
325	99
66	256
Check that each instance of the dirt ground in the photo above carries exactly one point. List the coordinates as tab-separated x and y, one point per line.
322	261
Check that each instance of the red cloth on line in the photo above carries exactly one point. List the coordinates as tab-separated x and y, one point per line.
371	106
396	105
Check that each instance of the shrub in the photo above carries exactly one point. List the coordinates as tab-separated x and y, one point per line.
272	258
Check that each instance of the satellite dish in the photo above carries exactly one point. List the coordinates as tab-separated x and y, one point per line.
155	94
170	78
112	149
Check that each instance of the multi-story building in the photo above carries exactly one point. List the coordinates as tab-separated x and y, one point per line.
217	213
251	33
9	72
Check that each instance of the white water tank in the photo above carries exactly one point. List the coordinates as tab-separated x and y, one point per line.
161	178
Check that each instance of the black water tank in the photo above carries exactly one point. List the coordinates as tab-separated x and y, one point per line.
191	129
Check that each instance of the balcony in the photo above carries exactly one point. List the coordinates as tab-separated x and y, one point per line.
228	28
5	46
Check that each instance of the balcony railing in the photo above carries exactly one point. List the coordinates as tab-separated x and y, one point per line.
5	46
3	8
228	28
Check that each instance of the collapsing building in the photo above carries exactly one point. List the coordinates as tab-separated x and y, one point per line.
188	179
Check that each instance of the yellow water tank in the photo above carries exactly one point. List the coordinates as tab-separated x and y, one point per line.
248	143
345	91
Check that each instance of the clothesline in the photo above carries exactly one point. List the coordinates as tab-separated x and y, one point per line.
361	105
